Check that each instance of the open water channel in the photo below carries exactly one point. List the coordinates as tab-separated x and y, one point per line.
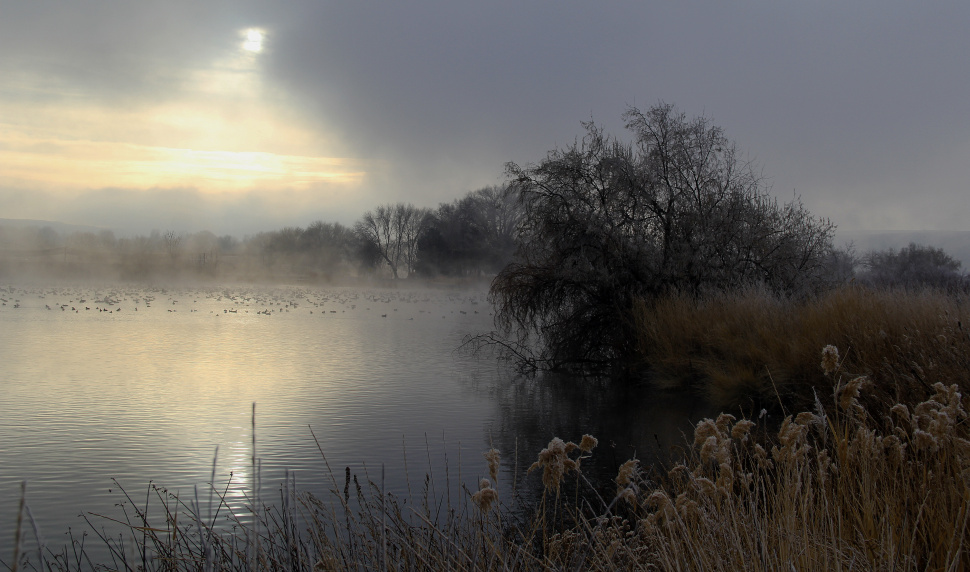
122	385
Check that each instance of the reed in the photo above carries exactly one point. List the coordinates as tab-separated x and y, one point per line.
832	489
751	348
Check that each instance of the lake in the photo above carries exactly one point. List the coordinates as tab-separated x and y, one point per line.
125	385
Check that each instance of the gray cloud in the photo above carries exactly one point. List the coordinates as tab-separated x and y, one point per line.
860	109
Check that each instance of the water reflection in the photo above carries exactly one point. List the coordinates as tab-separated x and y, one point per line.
142	385
629	421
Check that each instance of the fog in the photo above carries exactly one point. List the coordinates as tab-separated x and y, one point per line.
35	253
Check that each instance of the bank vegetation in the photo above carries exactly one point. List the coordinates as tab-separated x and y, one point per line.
838	485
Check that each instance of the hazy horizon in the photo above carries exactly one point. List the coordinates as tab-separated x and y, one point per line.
955	243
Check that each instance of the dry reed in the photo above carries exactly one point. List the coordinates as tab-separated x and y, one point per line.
750	348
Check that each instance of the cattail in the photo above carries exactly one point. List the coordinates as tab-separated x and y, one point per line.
492	457
952	398
587	443
705	486
705	429
485	496
725	479
680	472
723	422
627	473
900	410
830	359
663	506
659	500
849	395
552	460
761	457
625	481
791	434
628	494
741	429
687	507
709	449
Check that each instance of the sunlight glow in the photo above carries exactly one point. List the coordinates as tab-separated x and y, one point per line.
64	163
254	40
223	132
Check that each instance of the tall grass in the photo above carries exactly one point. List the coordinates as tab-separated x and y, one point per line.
750	348
833	491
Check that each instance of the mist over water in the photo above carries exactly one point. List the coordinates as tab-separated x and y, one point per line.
131	385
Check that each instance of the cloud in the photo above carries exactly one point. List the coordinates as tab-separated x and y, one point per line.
860	108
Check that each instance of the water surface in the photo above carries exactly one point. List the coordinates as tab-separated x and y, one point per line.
129	385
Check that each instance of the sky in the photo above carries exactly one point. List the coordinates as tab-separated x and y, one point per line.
245	116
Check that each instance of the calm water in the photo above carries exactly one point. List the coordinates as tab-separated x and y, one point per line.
130	384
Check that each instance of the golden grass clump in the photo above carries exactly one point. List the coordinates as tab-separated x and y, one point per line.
830	359
493	458
485	496
555	462
837	491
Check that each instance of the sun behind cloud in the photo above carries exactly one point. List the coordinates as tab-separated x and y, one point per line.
220	132
254	40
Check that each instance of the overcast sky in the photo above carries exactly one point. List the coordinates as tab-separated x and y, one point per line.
239	116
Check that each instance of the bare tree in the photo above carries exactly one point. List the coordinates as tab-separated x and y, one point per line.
377	227
609	223
412	222
498	216
473	234
395	230
172	241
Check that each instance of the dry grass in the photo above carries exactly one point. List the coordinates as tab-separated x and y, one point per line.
832	492
751	348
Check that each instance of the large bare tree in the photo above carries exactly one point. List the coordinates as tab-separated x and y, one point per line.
608	223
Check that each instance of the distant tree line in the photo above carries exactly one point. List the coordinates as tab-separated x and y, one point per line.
915	265
473	236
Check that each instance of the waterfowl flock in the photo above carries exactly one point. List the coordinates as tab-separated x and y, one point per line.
239	301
